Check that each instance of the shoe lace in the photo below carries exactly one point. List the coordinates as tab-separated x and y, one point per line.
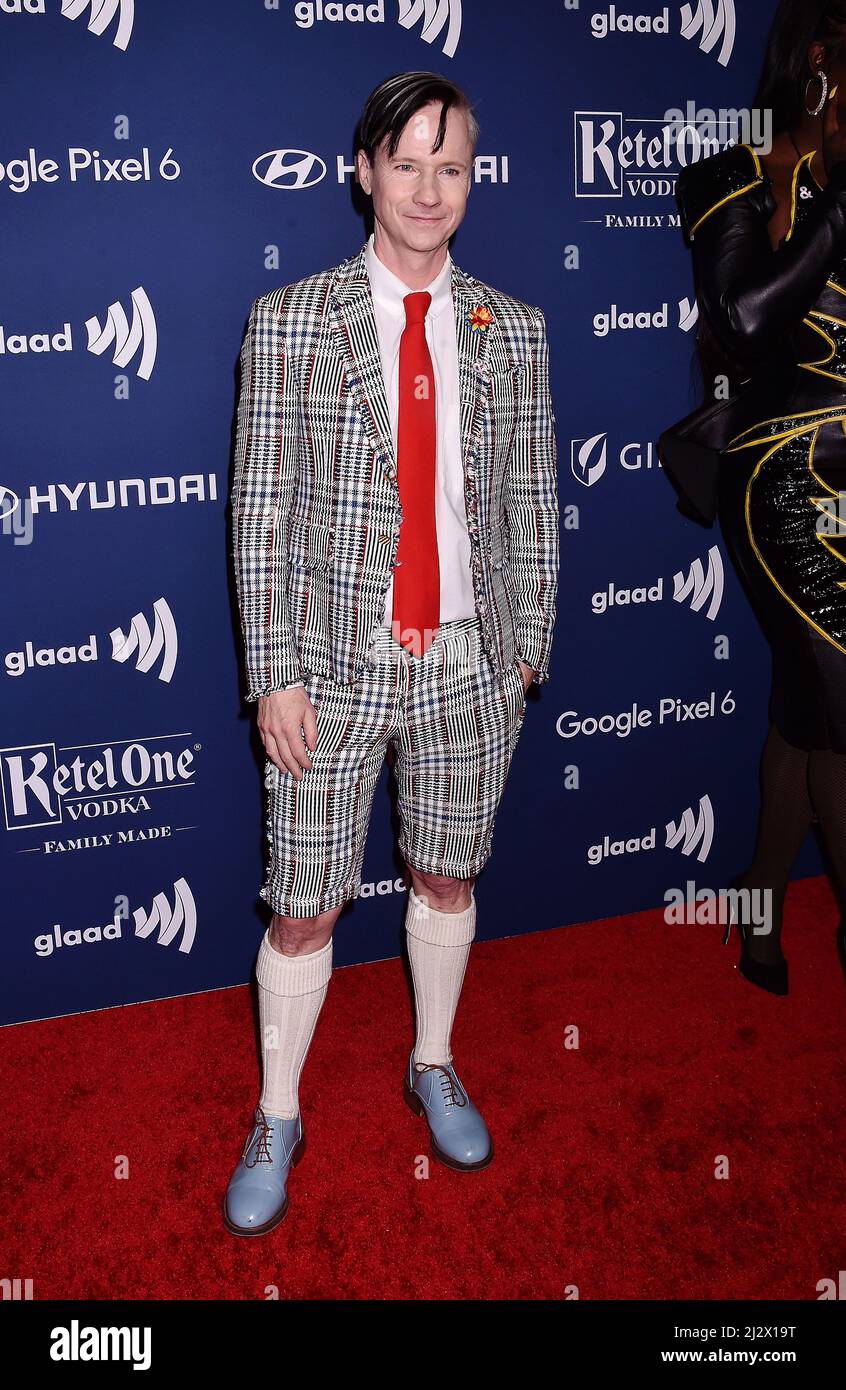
262	1154
450	1089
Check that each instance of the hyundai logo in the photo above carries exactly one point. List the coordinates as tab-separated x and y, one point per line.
289	169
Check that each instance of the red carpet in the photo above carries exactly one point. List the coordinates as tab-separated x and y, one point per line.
605	1156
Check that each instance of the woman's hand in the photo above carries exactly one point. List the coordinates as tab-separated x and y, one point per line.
834	134
284	717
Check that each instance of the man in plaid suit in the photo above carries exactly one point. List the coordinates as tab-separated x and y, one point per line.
395	530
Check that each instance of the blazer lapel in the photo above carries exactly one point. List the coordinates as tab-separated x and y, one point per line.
473	352
357	342
356	339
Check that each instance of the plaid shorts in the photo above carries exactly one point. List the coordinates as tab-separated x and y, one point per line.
453	723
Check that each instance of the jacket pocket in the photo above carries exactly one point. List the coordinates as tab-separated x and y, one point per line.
311	544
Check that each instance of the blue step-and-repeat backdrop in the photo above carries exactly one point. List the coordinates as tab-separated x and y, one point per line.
163	164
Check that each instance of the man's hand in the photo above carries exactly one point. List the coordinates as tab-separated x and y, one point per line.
284	716
524	668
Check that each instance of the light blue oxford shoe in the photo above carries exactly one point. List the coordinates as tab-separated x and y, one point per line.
459	1135
257	1198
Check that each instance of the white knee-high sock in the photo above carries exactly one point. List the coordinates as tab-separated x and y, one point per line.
438	948
291	991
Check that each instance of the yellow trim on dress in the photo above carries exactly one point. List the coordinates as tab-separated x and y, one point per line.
841	584
729	196
832	414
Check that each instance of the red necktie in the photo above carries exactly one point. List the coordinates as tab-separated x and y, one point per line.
417	583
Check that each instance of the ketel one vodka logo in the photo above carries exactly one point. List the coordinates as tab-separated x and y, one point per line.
97	15
144	648
167	922
121	339
625	157
44	785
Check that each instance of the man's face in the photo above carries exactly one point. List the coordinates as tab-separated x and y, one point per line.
420	197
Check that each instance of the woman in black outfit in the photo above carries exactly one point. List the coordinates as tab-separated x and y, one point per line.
768	237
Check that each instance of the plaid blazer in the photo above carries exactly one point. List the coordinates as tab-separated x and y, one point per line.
315	502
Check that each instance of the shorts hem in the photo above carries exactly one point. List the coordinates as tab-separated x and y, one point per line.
451	872
297	909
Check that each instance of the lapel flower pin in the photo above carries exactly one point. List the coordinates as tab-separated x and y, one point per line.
480	317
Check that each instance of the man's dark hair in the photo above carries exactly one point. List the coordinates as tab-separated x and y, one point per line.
392	104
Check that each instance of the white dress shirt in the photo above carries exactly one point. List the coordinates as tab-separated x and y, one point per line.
388	292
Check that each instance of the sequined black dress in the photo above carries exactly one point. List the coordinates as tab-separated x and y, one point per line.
782	479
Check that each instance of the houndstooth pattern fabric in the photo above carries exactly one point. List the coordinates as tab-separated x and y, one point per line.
316	511
453	723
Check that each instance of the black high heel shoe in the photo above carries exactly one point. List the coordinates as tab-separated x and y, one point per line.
771	976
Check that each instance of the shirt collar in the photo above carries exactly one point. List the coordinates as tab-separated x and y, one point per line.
390	290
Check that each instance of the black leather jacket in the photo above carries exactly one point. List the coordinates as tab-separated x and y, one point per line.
754	299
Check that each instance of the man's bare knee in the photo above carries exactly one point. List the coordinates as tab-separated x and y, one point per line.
442	892
300	936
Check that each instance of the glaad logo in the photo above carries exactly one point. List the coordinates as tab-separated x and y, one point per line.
381	887
98	780
617	320
102	14
711	22
162	642
436	16
691	831
289	169
700	586
696	585
688	314
127	339
167	923
589	458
